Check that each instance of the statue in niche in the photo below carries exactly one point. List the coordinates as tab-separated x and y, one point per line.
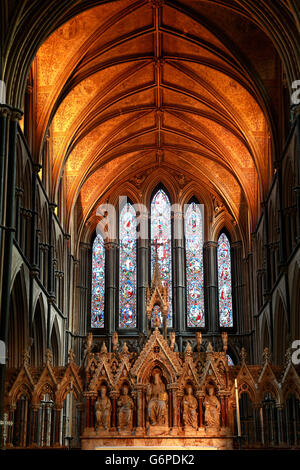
103	409
212	409
157	399
172	342
189	409
125	409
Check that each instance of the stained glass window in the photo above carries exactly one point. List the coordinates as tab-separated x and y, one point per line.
161	241
224	282
127	295
194	266
230	361
156	314
98	283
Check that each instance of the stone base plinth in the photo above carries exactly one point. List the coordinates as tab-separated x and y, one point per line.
197	440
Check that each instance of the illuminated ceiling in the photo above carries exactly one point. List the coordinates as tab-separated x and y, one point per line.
130	87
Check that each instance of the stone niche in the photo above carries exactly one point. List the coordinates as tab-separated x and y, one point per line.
160	398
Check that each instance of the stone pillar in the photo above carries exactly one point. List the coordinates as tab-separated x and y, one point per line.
58	410
35	410
280	409
222	398
90	400
92	411
238	286
211	285
111	253
88	412
142	282
180	394
19	195
139	389
179	276
9	118
113	396
200	395
226	413
173	407
80	409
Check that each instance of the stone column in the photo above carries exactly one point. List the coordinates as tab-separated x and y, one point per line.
179	399
113	396
92	411
110	317
211	285
200	395
9	118
80	408
139	389
35	410
224	407
173	407
58	410
142	283
238	286
226	412
179	276
280	409
90	400
19	195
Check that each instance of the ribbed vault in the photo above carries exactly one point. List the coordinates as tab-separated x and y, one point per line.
129	87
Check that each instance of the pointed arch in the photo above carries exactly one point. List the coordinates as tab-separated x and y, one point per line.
194	231
224	281
18	324
281	342
55	343
98	282
295	302
161	240
127	267
39	335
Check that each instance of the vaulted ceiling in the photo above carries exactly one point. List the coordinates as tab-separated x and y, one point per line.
129	87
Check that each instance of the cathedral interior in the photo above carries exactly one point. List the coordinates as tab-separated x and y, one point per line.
150	224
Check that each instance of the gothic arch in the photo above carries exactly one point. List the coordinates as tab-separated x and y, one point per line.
167	372
55	341
18	334
295	303
225	223
38	348
281	331
265	336
160	179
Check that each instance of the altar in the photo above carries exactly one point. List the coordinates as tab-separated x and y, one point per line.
160	398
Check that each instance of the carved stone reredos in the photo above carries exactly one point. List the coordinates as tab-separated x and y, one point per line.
158	352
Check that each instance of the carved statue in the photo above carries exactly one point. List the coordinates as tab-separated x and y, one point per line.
198	340
212	409
115	341
89	342
172	342
157	399
189	409
103	409
87	349
125	409
225	340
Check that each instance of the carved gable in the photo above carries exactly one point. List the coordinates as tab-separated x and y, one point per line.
156	351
